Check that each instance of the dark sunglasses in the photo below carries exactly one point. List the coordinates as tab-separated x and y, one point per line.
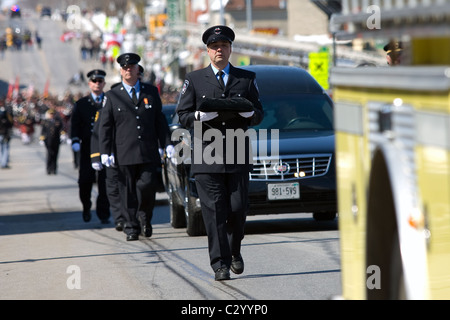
97	80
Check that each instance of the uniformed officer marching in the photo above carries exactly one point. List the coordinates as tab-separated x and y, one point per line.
113	186
132	124
52	126
222	185
82	123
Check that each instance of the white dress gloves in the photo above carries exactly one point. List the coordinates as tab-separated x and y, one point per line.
97	166
246	114
108	161
205	116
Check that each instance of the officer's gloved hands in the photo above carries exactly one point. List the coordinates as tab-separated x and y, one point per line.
246	114
105	159
108	161
97	166
170	152
76	147
205	116
112	160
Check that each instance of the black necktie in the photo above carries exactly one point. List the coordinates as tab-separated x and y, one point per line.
133	96
222	84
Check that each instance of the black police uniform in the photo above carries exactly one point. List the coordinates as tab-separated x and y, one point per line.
6	124
222	187
133	132
113	188
51	135
82	123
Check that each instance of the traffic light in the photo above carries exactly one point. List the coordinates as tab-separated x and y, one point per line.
15	11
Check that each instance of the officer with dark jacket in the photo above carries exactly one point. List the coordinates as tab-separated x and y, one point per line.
82	123
6	124
51	137
113	188
221	97
131	126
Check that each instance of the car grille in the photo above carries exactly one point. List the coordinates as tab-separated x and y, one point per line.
306	166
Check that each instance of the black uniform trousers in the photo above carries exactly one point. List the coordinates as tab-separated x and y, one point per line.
87	177
140	183
224	201
52	157
113	190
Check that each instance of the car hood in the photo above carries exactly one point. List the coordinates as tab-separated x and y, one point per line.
292	143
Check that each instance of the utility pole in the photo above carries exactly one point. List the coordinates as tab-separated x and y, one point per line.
249	15
222	14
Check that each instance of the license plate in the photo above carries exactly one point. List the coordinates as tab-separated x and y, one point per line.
283	191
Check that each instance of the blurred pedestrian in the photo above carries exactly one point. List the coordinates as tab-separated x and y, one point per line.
38	40
6	124
51	138
131	126
222	185
393	52
82	123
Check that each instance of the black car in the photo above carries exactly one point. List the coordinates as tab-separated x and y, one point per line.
295	174
168	111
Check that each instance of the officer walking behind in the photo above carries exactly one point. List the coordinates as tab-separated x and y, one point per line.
222	185
393	52
51	137
82	123
113	188
132	124
6	124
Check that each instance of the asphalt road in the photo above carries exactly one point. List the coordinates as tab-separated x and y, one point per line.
48	252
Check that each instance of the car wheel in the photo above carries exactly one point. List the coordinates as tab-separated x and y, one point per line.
177	215
324	216
194	220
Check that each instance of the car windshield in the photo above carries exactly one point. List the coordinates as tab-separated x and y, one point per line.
296	112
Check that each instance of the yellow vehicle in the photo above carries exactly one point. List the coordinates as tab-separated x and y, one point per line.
393	151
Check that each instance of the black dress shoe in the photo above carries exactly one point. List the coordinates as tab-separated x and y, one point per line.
87	215
222	273
119	226
132	237
237	264
147	230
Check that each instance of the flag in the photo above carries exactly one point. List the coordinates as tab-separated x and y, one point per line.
10	91
47	85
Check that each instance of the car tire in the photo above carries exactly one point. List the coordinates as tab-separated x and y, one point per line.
194	219
324	216
177	215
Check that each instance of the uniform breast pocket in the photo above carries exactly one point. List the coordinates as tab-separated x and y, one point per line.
121	112
237	94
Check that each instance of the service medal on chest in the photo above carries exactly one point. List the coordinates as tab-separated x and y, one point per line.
147	106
